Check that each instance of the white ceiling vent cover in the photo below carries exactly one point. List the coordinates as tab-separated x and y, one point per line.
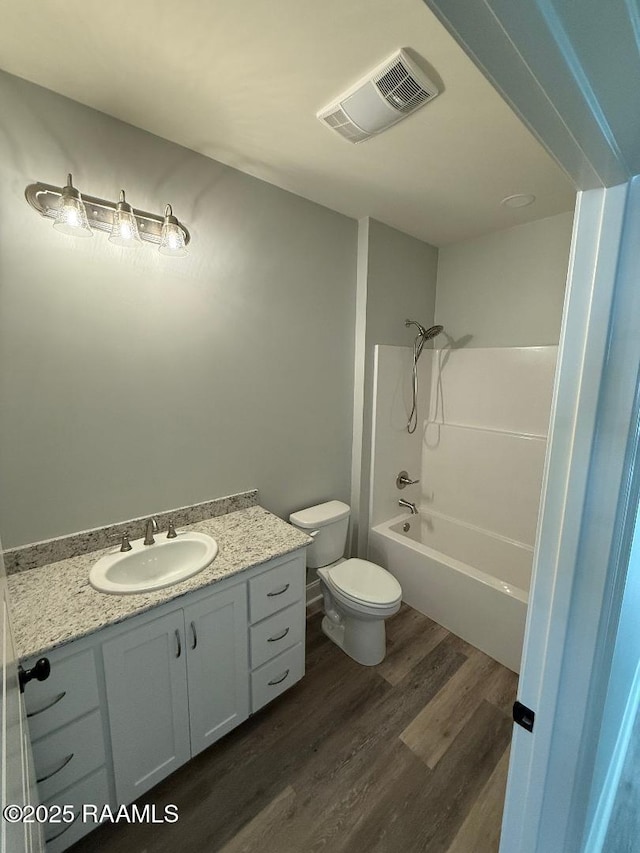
391	92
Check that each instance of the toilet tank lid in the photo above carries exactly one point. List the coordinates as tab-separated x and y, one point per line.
318	516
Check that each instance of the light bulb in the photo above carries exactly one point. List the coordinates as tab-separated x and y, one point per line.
172	240
125	226
71	217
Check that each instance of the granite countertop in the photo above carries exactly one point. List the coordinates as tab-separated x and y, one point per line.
55	604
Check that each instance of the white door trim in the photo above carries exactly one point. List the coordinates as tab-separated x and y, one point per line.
544	763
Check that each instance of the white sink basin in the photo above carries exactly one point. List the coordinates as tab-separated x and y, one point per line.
148	567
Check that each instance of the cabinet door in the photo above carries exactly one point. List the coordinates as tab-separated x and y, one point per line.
147	700
217	665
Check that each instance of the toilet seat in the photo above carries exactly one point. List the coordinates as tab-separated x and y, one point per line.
362	582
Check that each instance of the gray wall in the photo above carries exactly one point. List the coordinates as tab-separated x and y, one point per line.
130	382
400	281
401	284
506	288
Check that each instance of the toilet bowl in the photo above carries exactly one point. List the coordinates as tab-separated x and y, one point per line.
357	595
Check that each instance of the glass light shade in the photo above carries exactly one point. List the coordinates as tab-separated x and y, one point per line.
172	240
71	217
125	226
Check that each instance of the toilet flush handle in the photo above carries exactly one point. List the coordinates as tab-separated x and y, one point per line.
312	533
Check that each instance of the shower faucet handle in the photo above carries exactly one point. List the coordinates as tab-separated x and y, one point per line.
403	480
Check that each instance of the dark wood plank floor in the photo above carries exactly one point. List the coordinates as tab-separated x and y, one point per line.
410	755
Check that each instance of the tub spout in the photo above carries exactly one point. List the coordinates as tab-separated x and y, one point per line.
409	505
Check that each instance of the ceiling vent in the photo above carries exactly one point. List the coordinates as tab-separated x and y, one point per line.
391	92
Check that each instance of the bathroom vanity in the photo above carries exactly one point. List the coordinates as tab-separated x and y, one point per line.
166	674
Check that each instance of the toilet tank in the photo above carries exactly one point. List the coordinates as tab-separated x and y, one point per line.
331	520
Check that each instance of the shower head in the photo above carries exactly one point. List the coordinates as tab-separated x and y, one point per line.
425	334
433	332
422	337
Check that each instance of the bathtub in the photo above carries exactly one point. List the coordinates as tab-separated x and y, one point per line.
471	581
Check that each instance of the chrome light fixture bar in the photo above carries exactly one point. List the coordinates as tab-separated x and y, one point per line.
52	202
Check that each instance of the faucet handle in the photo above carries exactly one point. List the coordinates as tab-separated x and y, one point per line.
171	530
125	545
403	479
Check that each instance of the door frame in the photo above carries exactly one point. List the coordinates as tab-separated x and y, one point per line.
588	498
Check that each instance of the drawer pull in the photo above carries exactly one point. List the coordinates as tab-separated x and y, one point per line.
179	649
195	636
277	637
279	591
50	705
279	680
64	763
62	831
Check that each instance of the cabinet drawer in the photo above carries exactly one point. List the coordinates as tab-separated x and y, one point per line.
276	634
276	589
276	676
70	691
94	790
69	754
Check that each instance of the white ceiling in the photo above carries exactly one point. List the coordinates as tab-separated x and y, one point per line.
241	82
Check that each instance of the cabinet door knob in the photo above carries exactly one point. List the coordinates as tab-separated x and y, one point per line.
179	651
40	671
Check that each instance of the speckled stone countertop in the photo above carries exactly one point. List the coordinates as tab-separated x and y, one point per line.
55	604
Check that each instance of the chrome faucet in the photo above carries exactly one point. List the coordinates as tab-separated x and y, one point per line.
150	529
409	505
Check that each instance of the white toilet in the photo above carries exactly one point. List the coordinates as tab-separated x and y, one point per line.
358	595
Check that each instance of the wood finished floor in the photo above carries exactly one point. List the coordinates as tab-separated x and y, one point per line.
410	755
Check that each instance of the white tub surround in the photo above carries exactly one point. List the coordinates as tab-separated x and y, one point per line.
393	448
466	560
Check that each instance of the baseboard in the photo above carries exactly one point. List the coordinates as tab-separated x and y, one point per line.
314	598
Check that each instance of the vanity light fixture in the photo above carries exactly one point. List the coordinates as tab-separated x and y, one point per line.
125	228
71	215
171	238
76	215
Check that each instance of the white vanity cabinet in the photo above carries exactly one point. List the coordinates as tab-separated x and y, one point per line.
174	686
69	735
277	612
146	681
126	706
217	670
